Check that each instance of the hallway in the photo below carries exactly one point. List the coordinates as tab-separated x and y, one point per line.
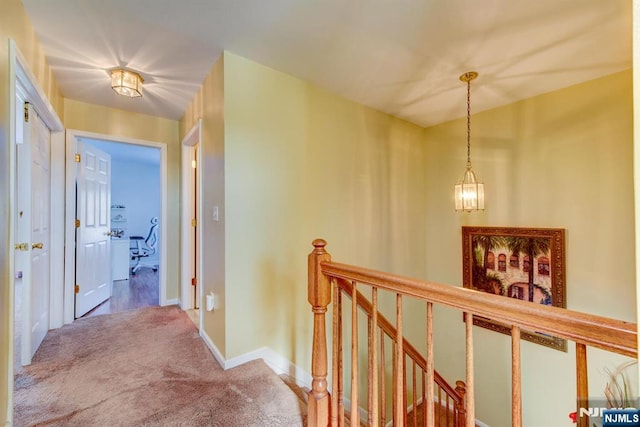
141	290
145	367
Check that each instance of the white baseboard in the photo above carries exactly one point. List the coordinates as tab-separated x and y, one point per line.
277	363
212	347
173	301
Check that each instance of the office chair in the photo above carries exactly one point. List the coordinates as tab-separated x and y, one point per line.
144	248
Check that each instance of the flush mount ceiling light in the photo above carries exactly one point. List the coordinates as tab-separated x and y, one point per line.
469	193
126	83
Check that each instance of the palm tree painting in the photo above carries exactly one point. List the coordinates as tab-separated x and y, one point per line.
531	246
534	273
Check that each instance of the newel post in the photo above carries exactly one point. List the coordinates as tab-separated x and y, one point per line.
460	406
319	297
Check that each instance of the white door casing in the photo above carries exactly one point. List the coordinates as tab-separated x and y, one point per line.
191	253
73	136
33	229
93	241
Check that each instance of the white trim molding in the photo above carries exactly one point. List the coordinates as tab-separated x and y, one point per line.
187	250
69	265
21	74
277	363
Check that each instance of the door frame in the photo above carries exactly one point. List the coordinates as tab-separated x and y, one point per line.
70	236
21	74
193	138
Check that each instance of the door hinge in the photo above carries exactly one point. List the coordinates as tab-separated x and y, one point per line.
77	223
194	222
26	112
194	281
77	158
21	247
77	289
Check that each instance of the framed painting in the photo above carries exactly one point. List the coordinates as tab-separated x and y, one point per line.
523	263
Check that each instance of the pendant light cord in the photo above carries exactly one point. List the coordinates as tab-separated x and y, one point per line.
468	123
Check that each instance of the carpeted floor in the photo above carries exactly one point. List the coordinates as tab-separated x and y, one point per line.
146	367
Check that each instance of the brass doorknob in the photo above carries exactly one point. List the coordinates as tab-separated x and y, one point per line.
109	233
39	245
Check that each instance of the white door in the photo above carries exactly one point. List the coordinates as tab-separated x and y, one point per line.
33	228
93	241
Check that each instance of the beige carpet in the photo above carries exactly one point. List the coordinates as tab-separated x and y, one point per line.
146	367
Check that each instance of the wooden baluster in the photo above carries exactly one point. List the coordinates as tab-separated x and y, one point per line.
400	368
471	411
414	399
341	376
394	381
582	392
448	411
373	360
383	388
516	374
425	402
355	416
337	353
428	407
319	296
438	413
340	368
461	412
404	386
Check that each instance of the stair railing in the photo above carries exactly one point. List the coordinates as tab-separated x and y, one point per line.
584	329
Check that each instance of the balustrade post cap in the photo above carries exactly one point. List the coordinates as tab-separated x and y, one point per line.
319	243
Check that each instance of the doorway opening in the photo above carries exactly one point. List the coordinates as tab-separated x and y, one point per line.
135	204
191	293
145	225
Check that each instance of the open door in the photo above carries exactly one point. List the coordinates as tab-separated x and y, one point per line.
33	231
93	231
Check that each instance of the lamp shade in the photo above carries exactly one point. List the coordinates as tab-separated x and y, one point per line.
126	83
469	193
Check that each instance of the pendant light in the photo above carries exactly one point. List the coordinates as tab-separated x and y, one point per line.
469	193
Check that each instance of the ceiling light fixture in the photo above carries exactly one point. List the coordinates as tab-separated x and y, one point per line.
469	193
126	83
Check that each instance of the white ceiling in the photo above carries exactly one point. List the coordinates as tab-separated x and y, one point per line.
402	57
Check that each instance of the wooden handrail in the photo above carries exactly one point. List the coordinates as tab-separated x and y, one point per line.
596	331
391	332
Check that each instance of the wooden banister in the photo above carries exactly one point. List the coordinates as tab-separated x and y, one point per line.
582	328
596	331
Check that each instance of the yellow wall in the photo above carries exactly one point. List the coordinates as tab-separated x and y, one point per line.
563	160
208	104
14	24
110	121
303	163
